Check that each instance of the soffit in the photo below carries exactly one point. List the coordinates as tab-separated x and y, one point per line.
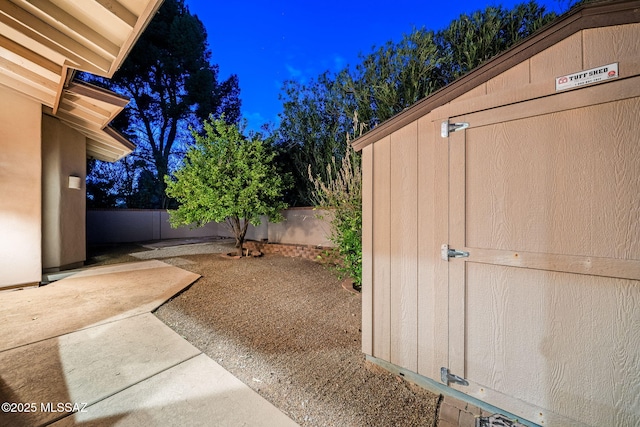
42	42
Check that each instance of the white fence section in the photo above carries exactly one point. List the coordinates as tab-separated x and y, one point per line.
301	226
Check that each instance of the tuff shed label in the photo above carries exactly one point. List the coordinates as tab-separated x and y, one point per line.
587	77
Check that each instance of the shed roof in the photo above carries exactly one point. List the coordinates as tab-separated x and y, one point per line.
42	43
593	15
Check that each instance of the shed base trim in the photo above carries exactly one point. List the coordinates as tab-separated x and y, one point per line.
447	393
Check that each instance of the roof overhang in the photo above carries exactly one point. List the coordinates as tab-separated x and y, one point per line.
89	110
43	42
594	15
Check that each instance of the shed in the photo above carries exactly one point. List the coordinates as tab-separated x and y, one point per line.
501	228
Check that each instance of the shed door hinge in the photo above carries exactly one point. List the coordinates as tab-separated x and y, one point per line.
446	252
446	128
447	377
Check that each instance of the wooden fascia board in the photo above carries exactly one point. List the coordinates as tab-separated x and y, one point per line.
64	80
119	137
107	153
72	112
98	93
140	25
85	90
108	138
593	15
88	106
80	123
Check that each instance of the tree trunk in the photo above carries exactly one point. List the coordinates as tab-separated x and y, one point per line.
239	243
239	231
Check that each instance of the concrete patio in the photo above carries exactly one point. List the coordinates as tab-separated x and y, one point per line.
87	351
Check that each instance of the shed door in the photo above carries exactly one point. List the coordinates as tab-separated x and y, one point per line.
544	315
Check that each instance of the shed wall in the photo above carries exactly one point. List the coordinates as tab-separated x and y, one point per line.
406	297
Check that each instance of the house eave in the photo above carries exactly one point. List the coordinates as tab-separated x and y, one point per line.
43	44
89	110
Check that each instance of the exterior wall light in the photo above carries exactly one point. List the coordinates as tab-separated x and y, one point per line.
75	182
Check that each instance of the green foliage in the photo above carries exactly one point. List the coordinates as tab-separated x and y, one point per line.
172	86
316	115
342	194
315	121
473	39
226	177
394	77
311	130
315	128
114	184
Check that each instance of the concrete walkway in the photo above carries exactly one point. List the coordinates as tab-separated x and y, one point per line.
86	351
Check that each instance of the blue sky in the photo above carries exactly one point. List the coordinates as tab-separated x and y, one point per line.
268	42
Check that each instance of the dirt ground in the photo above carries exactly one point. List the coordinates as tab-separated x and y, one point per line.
286	327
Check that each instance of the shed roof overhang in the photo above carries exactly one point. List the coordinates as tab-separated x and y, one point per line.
593	15
42	44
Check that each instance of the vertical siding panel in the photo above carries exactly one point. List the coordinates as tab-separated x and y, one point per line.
381	249
404	247
441	235
457	239
367	250
430	225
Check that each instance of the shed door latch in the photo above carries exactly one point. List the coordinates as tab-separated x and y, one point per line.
446	128
447	377
446	252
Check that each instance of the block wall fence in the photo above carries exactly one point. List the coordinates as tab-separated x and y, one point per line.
301	226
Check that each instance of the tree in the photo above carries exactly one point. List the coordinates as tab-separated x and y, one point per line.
395	76
228	178
112	184
317	116
311	130
172	85
474	38
342	194
314	122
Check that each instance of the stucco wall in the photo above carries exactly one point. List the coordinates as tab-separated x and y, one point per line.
63	209
302	226
20	193
138	225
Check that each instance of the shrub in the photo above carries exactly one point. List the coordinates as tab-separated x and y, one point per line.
342	193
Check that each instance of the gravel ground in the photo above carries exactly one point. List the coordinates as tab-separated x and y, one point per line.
286	327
